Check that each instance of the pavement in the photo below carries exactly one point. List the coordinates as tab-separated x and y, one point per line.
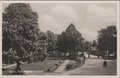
61	68
94	66
10	65
7	66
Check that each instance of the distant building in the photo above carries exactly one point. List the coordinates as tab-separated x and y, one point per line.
94	48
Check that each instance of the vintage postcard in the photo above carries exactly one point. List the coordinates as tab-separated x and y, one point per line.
60	39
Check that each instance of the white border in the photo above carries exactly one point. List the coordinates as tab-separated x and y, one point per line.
65	76
59	2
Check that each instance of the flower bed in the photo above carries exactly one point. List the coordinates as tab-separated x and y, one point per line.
72	65
75	64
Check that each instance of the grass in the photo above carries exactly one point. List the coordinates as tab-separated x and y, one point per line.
41	66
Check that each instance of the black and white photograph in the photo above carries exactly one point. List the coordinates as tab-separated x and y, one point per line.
57	38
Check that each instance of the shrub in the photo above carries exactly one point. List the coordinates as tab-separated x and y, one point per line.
56	64
48	70
59	61
72	65
69	66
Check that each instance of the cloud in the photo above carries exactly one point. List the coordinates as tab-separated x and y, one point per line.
48	22
64	10
64	13
95	18
106	14
58	19
88	34
88	20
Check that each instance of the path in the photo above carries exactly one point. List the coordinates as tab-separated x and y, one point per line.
94	66
62	67
8	66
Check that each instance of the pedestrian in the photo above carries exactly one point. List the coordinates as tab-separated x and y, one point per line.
105	63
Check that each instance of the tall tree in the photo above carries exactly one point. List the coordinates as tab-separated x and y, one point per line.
70	40
107	39
19	28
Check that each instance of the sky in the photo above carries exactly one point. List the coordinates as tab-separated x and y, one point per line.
88	18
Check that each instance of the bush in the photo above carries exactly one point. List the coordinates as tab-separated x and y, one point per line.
56	64
59	61
80	59
72	65
48	70
69	66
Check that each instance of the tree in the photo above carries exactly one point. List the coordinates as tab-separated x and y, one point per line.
41	47
107	40
94	43
94	46
51	42
19	28
70	41
87	46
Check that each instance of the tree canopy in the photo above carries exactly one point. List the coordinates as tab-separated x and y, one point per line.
19	28
107	39
70	40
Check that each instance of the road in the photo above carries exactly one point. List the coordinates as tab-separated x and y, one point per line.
94	66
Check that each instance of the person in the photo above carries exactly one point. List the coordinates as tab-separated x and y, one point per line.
105	63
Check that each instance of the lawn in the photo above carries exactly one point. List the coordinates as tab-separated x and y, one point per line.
41	66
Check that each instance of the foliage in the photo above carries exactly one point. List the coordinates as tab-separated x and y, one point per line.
69	66
20	29
70	41
72	65
107	39
51	42
87	46
94	43
8	57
